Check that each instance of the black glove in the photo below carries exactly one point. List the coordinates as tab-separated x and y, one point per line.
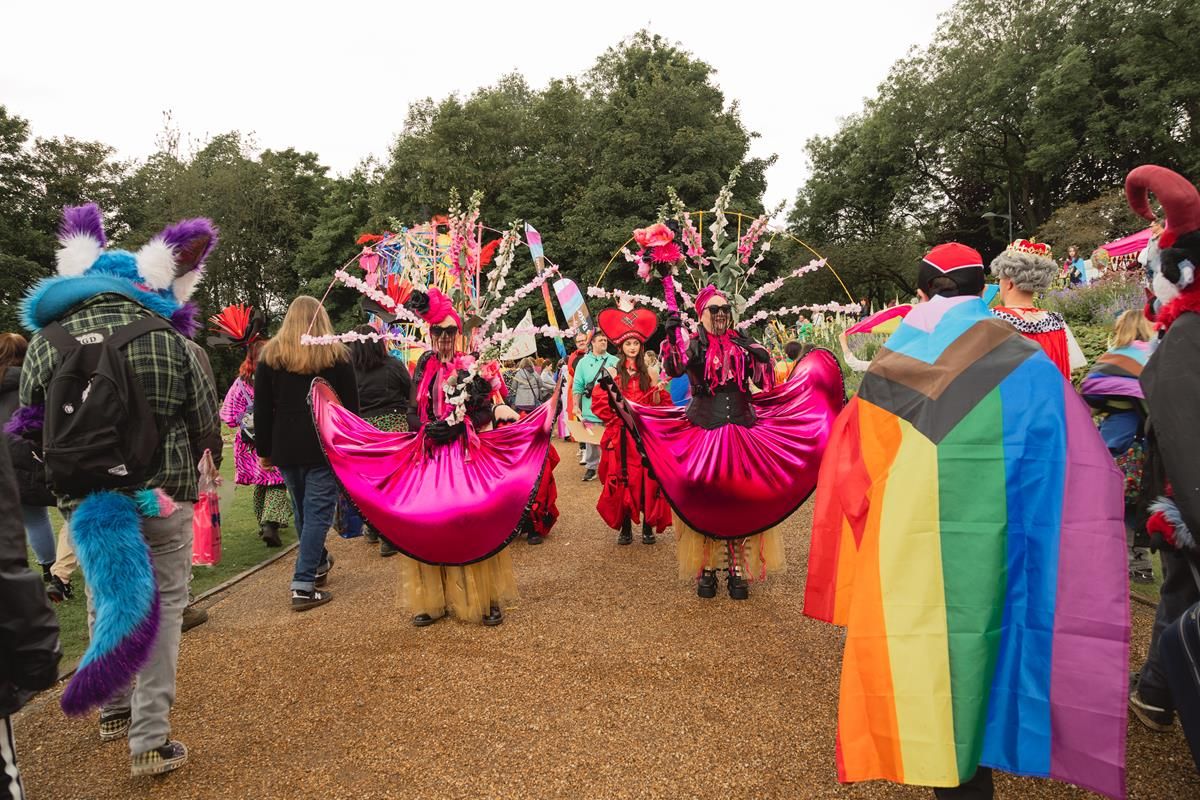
673	323
442	432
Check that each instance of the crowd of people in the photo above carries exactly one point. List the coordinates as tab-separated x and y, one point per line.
977	517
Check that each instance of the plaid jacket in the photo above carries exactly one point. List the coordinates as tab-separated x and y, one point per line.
183	399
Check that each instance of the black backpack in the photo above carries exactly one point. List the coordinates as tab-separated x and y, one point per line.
100	432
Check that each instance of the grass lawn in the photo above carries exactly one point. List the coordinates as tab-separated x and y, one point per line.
240	549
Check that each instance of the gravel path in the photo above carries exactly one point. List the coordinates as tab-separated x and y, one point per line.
610	679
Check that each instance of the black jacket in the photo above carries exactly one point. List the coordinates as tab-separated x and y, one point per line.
29	650
283	426
1171	383
29	471
384	390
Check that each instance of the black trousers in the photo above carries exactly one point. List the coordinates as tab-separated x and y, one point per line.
978	788
10	776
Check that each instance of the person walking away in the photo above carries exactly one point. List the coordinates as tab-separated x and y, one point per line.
529	391
25	455
29	646
272	509
1111	388
588	370
285	436
132	306
384	386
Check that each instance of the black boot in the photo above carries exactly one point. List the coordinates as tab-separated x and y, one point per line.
531	534
738	588
270	534
424	620
648	533
494	617
706	587
626	534
46	572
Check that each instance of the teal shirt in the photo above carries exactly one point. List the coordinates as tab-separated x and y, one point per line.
587	370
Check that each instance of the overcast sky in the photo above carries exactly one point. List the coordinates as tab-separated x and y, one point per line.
337	77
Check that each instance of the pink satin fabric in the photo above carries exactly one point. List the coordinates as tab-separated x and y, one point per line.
448	505
733	481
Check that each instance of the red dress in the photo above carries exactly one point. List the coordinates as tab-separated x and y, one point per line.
544	511
1047	328
628	487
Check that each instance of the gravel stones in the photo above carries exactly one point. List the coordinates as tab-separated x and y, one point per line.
608	679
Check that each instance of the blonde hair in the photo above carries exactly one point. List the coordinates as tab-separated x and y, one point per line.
285	351
1130	327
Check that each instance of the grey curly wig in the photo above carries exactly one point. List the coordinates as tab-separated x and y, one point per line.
1029	273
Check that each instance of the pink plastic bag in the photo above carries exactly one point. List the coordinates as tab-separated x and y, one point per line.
206	516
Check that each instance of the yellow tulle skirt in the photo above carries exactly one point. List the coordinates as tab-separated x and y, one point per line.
467	593
755	556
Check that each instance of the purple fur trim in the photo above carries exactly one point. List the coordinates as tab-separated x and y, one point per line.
97	682
85	220
26	420
192	240
186	320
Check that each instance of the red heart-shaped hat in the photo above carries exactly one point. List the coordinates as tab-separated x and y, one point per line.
618	325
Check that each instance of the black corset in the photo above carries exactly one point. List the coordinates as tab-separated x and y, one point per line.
729	405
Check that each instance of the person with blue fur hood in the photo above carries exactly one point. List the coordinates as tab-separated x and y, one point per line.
134	542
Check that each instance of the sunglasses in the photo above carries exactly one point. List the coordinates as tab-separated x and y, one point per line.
719	309
447	330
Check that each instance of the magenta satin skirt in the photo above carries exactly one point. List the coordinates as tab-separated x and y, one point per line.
445	505
735	481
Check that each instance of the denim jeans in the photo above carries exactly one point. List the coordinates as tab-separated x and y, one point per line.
39	532
314	495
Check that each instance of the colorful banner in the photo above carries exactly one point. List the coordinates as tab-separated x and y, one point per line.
534	240
573	306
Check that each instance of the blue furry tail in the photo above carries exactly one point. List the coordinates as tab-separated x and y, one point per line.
107	532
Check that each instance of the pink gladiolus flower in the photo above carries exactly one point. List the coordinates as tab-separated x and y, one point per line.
644	270
656	235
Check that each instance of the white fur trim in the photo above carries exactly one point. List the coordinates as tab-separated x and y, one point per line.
156	264
76	254
1164	290
1187	274
185	285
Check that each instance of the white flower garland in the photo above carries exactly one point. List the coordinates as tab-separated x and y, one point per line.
495	314
771	286
353	336
655	302
838	308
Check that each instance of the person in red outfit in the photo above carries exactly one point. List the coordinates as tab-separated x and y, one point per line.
630	493
1024	270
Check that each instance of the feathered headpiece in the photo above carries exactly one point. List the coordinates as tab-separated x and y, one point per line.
236	326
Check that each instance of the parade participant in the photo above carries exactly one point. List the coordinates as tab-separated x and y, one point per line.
384	388
733	464
1171	383
581	348
588	370
1111	388
1024	269
238	326
457	490
630	495
967	532
118	453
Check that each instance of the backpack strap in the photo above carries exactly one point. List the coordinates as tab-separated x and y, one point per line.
127	333
59	338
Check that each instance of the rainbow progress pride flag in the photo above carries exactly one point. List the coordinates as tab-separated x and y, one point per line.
968	533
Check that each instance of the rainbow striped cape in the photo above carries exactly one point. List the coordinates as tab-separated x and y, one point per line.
968	533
